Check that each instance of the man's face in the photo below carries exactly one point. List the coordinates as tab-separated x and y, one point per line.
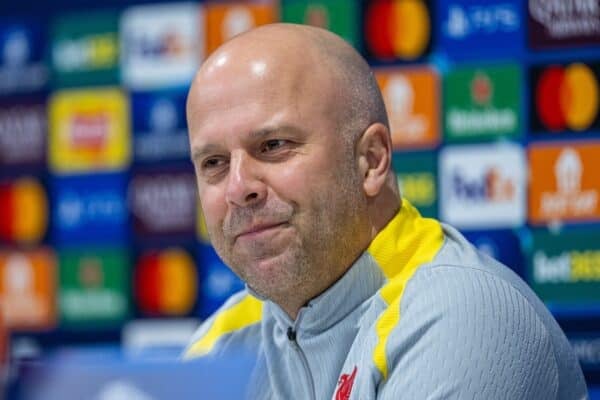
278	185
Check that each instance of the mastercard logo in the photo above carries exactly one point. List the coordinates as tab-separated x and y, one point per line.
397	28
23	211
166	282
567	97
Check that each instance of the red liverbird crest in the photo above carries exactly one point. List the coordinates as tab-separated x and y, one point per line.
345	385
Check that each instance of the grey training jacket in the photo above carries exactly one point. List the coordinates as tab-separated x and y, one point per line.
420	315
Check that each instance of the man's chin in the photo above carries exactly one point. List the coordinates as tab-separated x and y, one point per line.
268	270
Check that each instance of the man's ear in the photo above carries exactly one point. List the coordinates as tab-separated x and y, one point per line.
374	152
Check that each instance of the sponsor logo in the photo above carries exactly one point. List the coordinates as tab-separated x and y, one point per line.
93	285
564	183
159	126
89	131
338	16
21	65
569	196
501	244
491	186
418	188
411	104
224	21
587	350
23	211
568	267
563	22
217	281
566	97
481	19
345	383
87	53
397	29
166	282
483	186
22	133
164	203
85	49
89	209
27	288
16	50
162	45
565	266
482	103
417	180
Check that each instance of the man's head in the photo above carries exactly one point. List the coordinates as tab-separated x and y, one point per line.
291	147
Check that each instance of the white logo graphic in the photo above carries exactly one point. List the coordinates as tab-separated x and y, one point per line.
483	186
162	45
567	18
458	23
163	116
16	49
400	96
481	19
548	269
21	303
238	20
569	199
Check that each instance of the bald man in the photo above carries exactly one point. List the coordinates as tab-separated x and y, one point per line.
350	293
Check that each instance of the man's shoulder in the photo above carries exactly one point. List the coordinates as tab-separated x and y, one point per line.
233	323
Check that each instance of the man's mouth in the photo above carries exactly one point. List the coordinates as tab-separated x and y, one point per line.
257	230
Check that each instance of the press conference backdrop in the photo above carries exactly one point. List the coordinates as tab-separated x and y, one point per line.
494	112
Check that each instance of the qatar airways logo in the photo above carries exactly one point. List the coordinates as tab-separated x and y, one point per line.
483	186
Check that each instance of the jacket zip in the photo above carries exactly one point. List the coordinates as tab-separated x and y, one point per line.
291	334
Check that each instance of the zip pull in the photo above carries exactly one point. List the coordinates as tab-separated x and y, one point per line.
291	334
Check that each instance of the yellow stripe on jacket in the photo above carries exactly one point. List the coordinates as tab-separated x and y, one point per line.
407	242
246	312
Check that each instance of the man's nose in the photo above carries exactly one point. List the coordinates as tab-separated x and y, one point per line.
244	185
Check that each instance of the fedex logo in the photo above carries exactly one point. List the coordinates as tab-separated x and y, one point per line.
169	44
491	186
483	186
162	45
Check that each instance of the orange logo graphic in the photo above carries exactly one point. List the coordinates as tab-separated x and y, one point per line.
225	20
411	101
27	289
565	183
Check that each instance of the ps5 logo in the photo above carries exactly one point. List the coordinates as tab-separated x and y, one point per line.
481	19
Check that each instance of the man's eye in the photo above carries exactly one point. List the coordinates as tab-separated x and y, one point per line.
212	163
273	144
